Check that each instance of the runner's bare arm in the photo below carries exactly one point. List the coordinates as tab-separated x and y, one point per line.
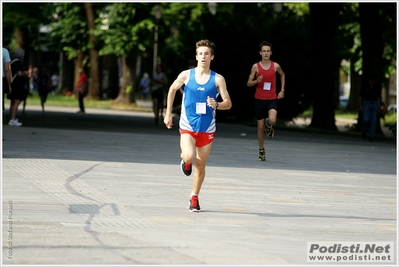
282	79
251	79
176	85
221	86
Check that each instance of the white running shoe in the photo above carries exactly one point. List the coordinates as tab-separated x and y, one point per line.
14	123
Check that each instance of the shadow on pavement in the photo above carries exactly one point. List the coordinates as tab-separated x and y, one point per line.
134	137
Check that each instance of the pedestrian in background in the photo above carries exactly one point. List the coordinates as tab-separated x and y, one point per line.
55	79
145	85
44	82
6	89
159	84
369	105
81	89
33	79
19	84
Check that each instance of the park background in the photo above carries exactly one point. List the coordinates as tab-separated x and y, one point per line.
325	49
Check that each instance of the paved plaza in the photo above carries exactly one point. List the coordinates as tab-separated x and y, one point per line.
105	188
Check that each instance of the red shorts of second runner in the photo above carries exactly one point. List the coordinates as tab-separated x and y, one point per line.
201	139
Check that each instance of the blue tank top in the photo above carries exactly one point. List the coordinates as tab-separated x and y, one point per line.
193	116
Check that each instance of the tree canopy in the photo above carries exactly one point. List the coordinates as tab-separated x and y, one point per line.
310	40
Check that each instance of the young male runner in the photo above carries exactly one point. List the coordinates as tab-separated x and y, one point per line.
266	94
198	114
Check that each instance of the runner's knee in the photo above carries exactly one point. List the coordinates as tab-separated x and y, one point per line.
187	157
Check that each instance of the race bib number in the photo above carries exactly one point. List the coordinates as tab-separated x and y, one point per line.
200	108
267	86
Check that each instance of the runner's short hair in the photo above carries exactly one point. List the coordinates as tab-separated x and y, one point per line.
206	43
264	43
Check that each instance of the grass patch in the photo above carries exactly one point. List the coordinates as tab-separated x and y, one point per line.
390	118
345	114
338	114
72	101
68	101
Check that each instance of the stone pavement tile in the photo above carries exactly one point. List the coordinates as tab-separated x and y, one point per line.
117	196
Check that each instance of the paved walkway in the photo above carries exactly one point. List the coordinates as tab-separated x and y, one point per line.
105	188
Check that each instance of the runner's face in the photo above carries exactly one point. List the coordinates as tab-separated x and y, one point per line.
265	52
204	56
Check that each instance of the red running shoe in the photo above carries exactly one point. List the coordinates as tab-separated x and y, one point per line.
186	169
194	204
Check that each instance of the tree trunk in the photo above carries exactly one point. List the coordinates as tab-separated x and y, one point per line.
68	75
356	84
326	65
355	90
113	82
126	92
95	83
125	80
19	38
372	40
385	95
20	41
372	44
131	63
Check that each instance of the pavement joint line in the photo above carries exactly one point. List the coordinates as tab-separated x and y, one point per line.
314	187
80	197
53	180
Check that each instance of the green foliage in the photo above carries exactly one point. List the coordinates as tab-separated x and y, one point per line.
350	38
301	9
349	32
125	28
390	118
129	89
30	14
70	28
182	13
388	13
27	17
180	28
